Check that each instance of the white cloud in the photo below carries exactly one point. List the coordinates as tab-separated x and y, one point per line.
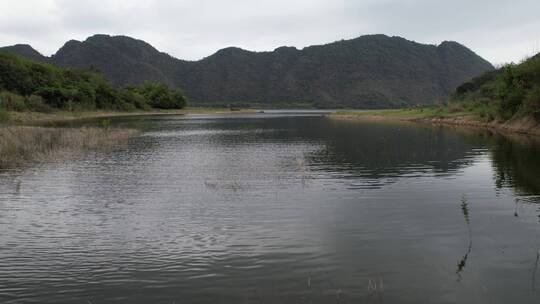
499	30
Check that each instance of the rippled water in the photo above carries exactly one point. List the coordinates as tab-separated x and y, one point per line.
276	208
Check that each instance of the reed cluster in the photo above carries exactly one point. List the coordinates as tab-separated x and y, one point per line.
19	144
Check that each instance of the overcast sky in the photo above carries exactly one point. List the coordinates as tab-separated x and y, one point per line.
499	30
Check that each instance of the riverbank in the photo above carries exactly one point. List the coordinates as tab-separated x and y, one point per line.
36	118
23	137
440	116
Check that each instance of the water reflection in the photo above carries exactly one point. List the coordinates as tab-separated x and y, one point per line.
517	165
376	151
274	209
535	270
462	263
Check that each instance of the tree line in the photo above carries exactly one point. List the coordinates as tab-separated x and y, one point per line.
26	85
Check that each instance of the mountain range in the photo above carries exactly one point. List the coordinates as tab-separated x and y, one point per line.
373	71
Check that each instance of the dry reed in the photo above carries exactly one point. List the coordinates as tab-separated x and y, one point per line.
19	144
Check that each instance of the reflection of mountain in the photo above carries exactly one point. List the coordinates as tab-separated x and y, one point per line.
517	164
371	151
386	150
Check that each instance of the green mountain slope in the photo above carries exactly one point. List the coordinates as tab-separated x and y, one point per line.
372	71
509	92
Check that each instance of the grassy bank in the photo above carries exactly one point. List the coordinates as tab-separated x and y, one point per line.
506	99
35	93
21	144
415	114
444	115
22	140
33	118
393	114
36	118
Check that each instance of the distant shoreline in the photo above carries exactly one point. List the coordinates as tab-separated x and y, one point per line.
525	126
33	118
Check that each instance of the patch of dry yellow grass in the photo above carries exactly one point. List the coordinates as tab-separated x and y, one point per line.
19	144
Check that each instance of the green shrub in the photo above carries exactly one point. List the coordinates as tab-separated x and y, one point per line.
486	113
126	107
532	101
37	104
4	116
75	89
132	97
455	107
161	96
511	91
106	124
12	102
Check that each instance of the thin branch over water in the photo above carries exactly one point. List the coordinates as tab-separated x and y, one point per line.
465	210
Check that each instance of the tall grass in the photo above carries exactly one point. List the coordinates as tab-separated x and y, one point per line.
19	144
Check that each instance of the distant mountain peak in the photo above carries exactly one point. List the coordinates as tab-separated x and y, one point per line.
370	71
452	44
25	50
24	47
286	49
70	44
102	36
231	50
119	40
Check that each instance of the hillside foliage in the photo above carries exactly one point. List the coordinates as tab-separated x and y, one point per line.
26	85
509	92
374	71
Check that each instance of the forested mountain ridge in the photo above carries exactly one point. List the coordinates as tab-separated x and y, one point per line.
373	71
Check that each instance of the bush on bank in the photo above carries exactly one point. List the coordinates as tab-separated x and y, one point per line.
26	85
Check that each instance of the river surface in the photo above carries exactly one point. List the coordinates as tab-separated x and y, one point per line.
276	208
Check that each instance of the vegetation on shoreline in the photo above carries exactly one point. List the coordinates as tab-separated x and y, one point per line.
27	85
20	144
409	113
60	116
36	93
507	98
511	92
21	140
